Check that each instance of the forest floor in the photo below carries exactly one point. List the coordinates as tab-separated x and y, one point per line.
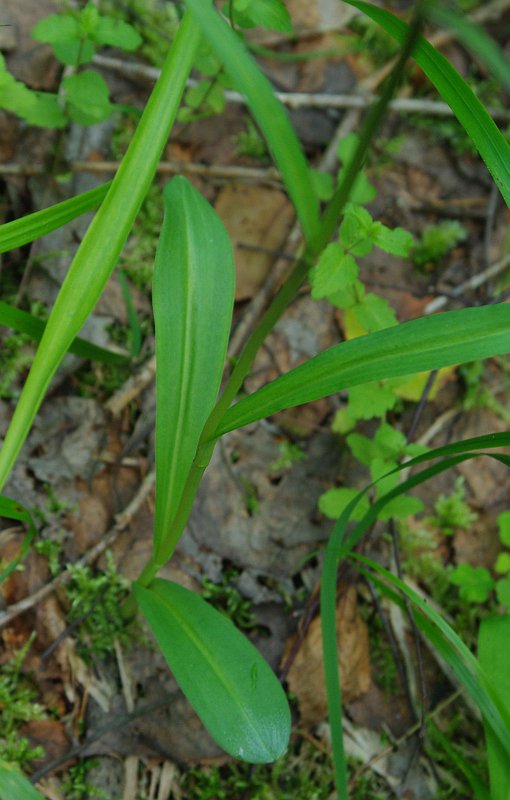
96	697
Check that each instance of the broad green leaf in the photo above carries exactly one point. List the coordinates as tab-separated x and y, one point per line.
475	583
396	241
75	52
422	344
116	33
56	28
226	680
87	97
14	785
355	230
493	653
24	322
193	298
334	502
102	244
373	400
37	108
481	129
503	592
502	565
374	313
39	223
271	14
268	112
335	271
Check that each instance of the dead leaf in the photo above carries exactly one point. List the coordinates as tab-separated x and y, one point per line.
306	676
254	215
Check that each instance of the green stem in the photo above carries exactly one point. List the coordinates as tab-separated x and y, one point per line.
105	237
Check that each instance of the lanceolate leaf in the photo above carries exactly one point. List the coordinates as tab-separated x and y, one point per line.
480	127
24	322
493	653
33	226
226	680
422	344
13	784
267	110
193	298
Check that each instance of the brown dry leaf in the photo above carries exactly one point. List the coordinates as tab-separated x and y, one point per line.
49	734
256	216
306	676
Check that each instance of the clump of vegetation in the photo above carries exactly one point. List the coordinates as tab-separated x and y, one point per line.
18	705
225	596
437	240
96	601
76	785
452	510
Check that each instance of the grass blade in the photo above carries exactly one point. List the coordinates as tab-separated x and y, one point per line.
227	681
267	111
480	127
103	242
23	322
33	226
419	345
11	509
493	653
451	647
193	298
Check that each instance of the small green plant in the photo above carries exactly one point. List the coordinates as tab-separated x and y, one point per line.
452	510
230	685
226	598
96	601
76	785
437	240
18	705
74	37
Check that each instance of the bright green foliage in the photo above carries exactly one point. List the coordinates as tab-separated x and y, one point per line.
97	598
334	272
37	108
452	511
229	684
249	142
475	583
74	36
18	704
76	785
363	191
271	14
201	101
87	97
334	502
504	528
437	240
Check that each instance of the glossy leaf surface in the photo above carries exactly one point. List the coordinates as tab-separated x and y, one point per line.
228	683
422	344
480	127
193	298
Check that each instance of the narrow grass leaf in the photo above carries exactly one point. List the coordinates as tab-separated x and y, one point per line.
24	322
39	223
480	791
267	111
102	244
475	39
415	346
14	785
227	681
494	653
451	647
472	115
193	298
134	325
11	509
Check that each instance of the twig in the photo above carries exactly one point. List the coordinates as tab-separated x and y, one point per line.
122	520
472	283
294	100
133	387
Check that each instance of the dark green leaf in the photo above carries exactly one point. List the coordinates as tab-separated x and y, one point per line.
226	680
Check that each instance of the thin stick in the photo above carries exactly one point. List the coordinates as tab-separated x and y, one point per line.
122	520
294	100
